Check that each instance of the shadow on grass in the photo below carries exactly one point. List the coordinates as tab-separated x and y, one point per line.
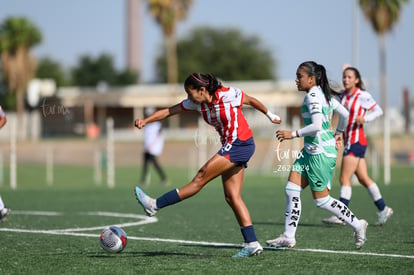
131	254
211	248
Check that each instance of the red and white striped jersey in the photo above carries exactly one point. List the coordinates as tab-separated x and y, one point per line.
224	114
357	103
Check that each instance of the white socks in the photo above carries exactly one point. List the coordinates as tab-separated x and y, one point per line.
293	208
346	192
1	204
374	192
340	210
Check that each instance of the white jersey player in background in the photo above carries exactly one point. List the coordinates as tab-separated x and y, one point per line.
153	146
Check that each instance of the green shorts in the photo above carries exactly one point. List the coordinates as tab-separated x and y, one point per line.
318	169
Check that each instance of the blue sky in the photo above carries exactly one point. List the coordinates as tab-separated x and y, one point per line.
295	31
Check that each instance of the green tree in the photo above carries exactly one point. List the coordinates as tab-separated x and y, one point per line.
225	52
167	13
17	36
126	77
48	68
91	72
383	15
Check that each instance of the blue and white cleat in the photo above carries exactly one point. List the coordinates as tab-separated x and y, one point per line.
146	202
384	215
254	249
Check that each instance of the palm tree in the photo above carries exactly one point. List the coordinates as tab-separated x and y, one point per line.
17	36
167	13
383	14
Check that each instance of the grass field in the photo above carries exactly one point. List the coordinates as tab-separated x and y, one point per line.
54	229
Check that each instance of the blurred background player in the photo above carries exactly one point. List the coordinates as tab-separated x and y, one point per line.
4	211
220	107
153	146
362	109
315	164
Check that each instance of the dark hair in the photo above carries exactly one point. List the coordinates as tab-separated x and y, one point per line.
198	80
360	84
319	72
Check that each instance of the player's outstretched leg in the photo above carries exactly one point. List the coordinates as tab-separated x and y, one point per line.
345	214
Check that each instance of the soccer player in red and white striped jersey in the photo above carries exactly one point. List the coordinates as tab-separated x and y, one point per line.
362	109
220	107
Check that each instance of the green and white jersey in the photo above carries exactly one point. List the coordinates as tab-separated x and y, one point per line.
323	142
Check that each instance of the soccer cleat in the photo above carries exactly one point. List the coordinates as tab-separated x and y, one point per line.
282	241
254	249
361	234
333	220
3	213
384	215
146	202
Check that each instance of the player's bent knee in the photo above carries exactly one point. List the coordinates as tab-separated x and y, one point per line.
322	202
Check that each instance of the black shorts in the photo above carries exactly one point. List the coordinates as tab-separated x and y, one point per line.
356	150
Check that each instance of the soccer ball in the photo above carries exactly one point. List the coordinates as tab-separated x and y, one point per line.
113	239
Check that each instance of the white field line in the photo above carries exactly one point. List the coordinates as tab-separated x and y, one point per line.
143	220
36	213
146	220
348	252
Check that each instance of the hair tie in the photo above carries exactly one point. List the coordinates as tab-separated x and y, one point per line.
199	80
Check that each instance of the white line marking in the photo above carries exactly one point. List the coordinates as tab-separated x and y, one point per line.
146	220
37	213
346	252
116	214
143	220
149	220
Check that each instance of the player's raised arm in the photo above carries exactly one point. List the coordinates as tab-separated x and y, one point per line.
258	105
158	115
